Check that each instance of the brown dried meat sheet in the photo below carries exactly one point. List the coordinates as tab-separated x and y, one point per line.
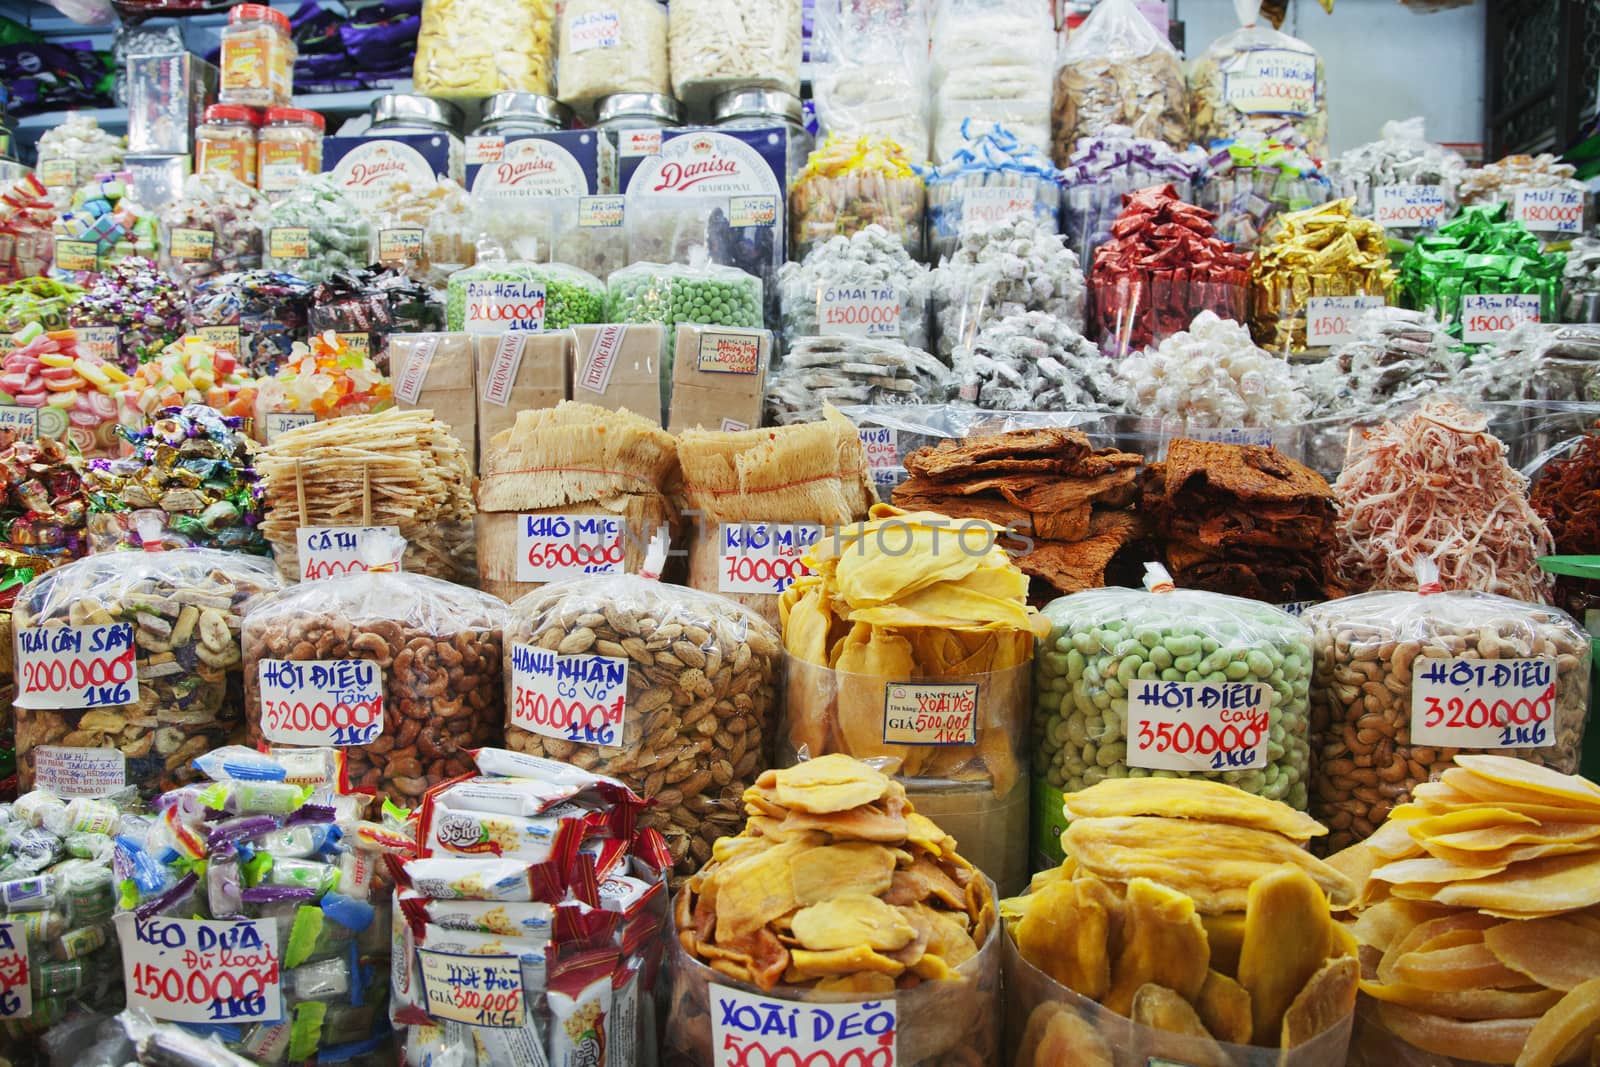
1071	567
1231	527
1275	583
1206	470
1044	493
944	502
1048	448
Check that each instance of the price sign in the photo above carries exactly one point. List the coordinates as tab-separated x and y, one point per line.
751	1028
289	242
77	255
562	546
1198	726
1271	81
859	311
202	971
281	422
883	452
100	341
763	557
334	551
79	772
498	306
1409	207
1231	435
323	702
599	212
993	203
1332	319
222	338
1487	317
1549	210
21	422
752	211
76	666
729	352
477	990
930	714
403	245
594	29
1474	703
192	245
16	993
578	698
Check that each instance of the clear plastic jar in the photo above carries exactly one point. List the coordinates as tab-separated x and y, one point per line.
291	148
257	58
512	114
752	108
225	143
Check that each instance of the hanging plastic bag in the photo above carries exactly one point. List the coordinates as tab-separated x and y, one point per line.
1117	70
1258	78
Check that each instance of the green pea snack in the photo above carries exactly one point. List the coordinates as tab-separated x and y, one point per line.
1180	683
672	293
515	295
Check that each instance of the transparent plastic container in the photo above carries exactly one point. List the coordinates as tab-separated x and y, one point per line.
258	57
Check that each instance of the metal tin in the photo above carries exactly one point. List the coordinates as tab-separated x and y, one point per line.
766	105
510	113
622	111
408	113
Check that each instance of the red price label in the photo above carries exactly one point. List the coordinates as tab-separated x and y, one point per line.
1198	726
478	990
1409	206
582	699
1487	317
1549	210
335	551
1271	81
1332	319
760	557
1488	704
859	311
327	702
76	666
202	971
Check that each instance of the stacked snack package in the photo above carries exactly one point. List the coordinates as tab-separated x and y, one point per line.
315	231
1580	289
1103	168
365	306
42	300
267	877
190	371
71	391
27	221
190	482
100	226
991	66
1163	264
258	315
1308	257
1258	78
1005	268
1254	178
869	66
1402	181
990	176
848	185
140	303
468	49
323	380
865	285
1118	71
218	225
532	873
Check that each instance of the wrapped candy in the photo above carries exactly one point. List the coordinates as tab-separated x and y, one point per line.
1256	177
1110	164
190	371
1495	182
42	300
818	371
72	391
1580	290
43	504
1401	181
101	226
315	230
190	483
365	306
1118	71
326	378
258	315
1257	77
427	233
1002	268
1031	361
865	284
991	65
1164	263
848	185
141	302
27	224
1211	376
217	226
73	151
1310	255
1394	357
995	176
1472	269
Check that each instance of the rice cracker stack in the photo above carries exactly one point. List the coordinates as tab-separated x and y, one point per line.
1192	908
561	463
1478	916
393	468
1048	485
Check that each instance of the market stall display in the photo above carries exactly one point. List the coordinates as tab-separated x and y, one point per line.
991	65
604	47
863	285
70	390
314	232
426	233
715	47
992	176
74	150
218	225
497	296
190	371
141	303
983	281
470	50
1102	169
1402	181
1255	178
1030	360
1118	72
27	230
101	225
1258	78
364	306
849	185
323	380
1391	358
842	370
1306	258
1210	377
869	72
43	507
257	315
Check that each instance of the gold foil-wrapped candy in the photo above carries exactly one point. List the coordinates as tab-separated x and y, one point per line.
1325	251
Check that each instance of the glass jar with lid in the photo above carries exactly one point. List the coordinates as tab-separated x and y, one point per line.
395	113
510	114
225	142
291	148
637	111
750	108
257	58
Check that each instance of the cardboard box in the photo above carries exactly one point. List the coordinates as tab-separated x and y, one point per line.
368	168
524	165
619	367
438	372
719	377
167	99
519	372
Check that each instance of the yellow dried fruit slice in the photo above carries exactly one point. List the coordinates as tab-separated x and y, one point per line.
1065	932
1163	1009
948	938
1456	968
922	832
852	919
1286	939
870	984
1432	870
1190	798
851	867
828	784
1224	1007
1383	924
1162	942
1327	998
1559	883
1225	936
1485	1040
1566	1029
1476	818
1555	953
1534	777
1467	1004
1425	932
1520	853
805	964
755	890
1494	838
1057	1035
805	627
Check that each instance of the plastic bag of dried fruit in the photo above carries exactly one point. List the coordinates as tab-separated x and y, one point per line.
1403	682
128	666
670	690
399	670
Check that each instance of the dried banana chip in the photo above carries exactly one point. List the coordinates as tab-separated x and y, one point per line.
852	919
1190	798
834	870
1486	1040
827	784
1224	1006
1163	942
1329	996
1286	939
1554	953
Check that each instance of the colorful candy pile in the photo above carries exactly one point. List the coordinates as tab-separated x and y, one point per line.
42	300
327	378
102	213
1256	177
848	185
256	314
374	304
42	503
1319	252
74	391
27	222
1105	167
142	302
994	177
191	371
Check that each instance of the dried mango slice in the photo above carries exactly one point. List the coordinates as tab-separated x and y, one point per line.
948	939
1494	838
1486	1040
922	832
1383	924
1559	883
1431	869
1457	968
1190	798
805	628
1286	938
1566	1029
826	784
1520	853
852	919
1224	1007
1425	932
870	984
832	870
1328	997
1162	942
1467	1004
805	964
1057	1035
921	880
1213	863
1534	777
1225	935
1065	932
753	891
1163	1009
1554	953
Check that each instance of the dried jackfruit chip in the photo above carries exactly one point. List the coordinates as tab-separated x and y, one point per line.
1190	798
1224	1006
1486	1040
1057	1035
851	867
851	919
805	964
1162	942
1455	968
828	784
1163	1009
1469	1004
1328	997
1566	1029
1286	940
1559	883
1065	932
1555	953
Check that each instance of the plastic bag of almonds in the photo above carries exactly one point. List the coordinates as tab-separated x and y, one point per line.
1405	681
128	667
402	671
668	689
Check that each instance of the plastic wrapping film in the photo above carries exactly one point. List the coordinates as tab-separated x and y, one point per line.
1404	681
1255	178
495	297
1002	268
476	48
427	234
1402	181
1118	70
427	651
184	608
1258	78
992	61
670	293
217	226
611	46
256	315
818	371
992	176
314	231
1323	252
869	66
1211	377
718	45
863	285
1102	168
847	186
691	725
1027	360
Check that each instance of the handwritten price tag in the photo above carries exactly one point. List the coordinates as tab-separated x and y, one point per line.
478	990
281	422
202	971
1271	81
763	557
563	546
1231	435
859	311
1409	207
1474	703
992	203
573	698
16	994
883	452
327	702
23	423
76	666
334	551
1198	726
1487	317
930	714
1332	319
749	1029
1549	210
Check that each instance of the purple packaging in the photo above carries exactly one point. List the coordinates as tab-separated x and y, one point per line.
367	168
559	163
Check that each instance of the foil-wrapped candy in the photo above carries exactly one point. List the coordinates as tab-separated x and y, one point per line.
1033	361
1322	251
818	371
1003	268
1211	376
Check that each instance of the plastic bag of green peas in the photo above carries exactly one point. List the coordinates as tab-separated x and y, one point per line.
496	297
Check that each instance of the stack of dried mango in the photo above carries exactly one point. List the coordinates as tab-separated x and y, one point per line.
1192	908
836	886
1480	903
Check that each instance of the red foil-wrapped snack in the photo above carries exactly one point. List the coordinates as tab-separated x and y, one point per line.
1163	265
